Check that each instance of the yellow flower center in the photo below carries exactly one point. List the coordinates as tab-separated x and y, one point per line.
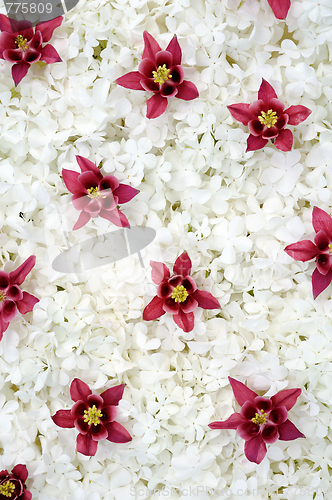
95	193
22	43
7	488
259	419
269	119
179	294
162	74
2	296
330	247
92	415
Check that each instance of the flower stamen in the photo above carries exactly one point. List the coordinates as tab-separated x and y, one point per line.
92	415
95	193
2	296
7	488
259	419
162	74
179	294
268	119
330	247
22	43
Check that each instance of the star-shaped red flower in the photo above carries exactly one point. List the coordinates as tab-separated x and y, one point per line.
321	249
160	72
267	119
23	45
177	294
93	416
261	420
12	486
96	195
12	299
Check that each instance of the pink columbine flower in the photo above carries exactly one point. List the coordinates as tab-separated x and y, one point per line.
160	72
267	119
261	420
96	195
321	249
280	8
23	45
93	416
12	486
11	296
177	294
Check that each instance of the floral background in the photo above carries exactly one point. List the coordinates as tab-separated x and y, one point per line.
233	212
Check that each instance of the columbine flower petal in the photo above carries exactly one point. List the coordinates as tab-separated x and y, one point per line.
18	276
288	431
321	221
86	445
79	390
64	418
182	265
320	282
241	392
159	272
284	141
302	250
113	395
156	106
255	449
280	7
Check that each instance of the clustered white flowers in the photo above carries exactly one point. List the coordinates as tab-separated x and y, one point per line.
233	212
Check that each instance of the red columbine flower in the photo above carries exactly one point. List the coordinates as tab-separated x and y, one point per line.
280	8
161	73
177	294
93	416
11	296
96	195
267	119
23	45
261	420
12	486
321	249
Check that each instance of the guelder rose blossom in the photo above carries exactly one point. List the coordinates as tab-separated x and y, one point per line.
93	416
23	45
12	486
321	249
266	119
280	8
160	72
11	296
96	195
177	294
261	420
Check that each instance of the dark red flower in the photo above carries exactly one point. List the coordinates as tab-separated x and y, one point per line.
12	486
280	8
97	195
267	119
261	420
160	72
93	416
11	296
321	249
177	294
23	45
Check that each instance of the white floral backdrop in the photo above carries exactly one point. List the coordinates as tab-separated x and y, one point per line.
233	212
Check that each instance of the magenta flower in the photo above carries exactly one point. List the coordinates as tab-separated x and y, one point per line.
22	45
11	296
261	420
177	294
280	8
12	486
93	416
321	249
160	72
96	195
267	119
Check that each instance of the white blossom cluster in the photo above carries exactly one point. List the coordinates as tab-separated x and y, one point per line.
233	212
